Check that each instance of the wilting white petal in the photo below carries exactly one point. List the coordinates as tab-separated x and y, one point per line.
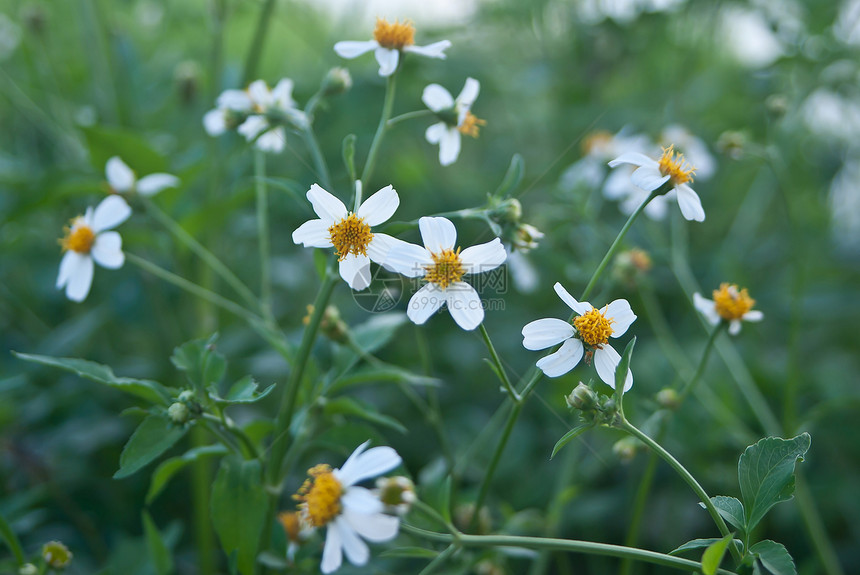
351	49
379	207
606	359
437	233
355	270
214	122
483	257
621	315
434	50
648	178
363	464
424	303
119	175
327	207
558	363
107	250
111	212
387	59
154	183
376	528
469	93
80	279
313	234
437	98
406	259
707	308
690	204
449	146
543	333
579	307
634	158
332	552
465	305
355	549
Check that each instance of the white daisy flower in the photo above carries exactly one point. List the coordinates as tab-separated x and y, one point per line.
443	268
652	174
270	109
331	498
456	116
88	240
122	179
349	233
729	304
695	149
230	107
591	329
389	40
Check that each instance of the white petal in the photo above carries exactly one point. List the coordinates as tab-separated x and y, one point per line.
361	500
558	363
214	122
282	94
753	315
690	204
734	327
237	100
355	270
380	246
253	126
119	175
376	528
260	93
617	185
579	307
387	59
351	49
437	98
313	234
465	305
70	262
379	207
449	146
621	315
406	259
332	551
648	178
363	464
154	183
437	233
606	360
469	93
355	549
434	50
80	279
707	308
634	158
544	333
483	257
327	207
424	303
436	132
272	141
107	250
111	212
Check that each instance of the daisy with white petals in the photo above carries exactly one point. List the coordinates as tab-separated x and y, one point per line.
389	40
122	180
443	268
88	240
729	304
270	108
589	331
231	108
652	174
331	498
349	233
456	118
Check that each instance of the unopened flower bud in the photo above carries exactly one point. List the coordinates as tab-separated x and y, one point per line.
34	18
187	78
56	554
776	105
631	263
526	237
187	396
396	493
582	398
487	567
336	81
463	518
332	326
28	569
668	398
733	144
625	449
509	210
178	413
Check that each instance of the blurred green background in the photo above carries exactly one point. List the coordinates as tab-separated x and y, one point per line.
771	87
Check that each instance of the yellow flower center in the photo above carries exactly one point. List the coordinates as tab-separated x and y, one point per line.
594	328
447	268
394	36
319	496
350	236
675	166
732	303
471	124
79	237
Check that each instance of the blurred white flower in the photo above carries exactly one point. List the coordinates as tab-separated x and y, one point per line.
443	267
10	37
389	40
88	240
592	328
845	205
729	304
122	179
693	148
847	25
456	116
230	106
749	38
831	115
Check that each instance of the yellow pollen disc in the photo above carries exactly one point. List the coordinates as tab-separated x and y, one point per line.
594	328
79	237
446	268
732	303
320	496
350	236
394	36
676	166
471	124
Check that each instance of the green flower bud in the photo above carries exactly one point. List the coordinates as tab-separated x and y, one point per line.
56	554
668	398
336	81
178	413
28	569
582	398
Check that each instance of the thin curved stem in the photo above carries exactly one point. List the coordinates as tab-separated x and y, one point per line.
257	40
317	157
387	106
500	369
409	116
263	232
688	387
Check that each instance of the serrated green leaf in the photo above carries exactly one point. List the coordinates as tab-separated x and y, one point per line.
155	435
349	406
238	506
713	555
622	368
513	177
158	551
201	362
766	474
774	557
731	509
170	467
567	437
243	391
151	391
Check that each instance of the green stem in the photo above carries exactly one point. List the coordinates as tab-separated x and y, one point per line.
409	116
500	369
387	106
258	38
263	231
228	441
688	387
12	541
439	559
317	157
645	482
201	484
237	432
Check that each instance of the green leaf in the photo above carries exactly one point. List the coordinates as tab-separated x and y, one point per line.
700	544
155	435
369	337
567	437
512	178
158	551
239	504
243	391
151	391
766	474
621	370
348	150
349	406
774	557
713	555
170	467
730	509
200	361
11	540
